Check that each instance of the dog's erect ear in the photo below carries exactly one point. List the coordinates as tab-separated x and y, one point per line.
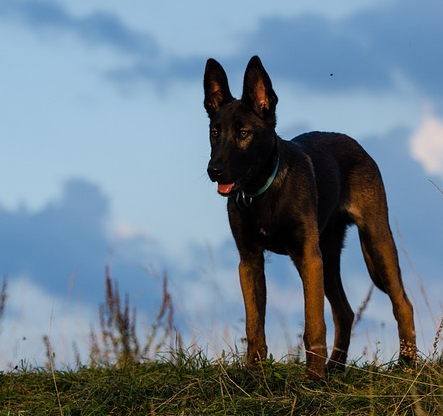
257	90
216	87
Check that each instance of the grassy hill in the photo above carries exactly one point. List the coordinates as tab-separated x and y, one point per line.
194	385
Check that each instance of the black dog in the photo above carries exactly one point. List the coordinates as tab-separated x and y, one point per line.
297	198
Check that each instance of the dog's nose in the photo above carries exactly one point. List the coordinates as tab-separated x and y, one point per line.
215	171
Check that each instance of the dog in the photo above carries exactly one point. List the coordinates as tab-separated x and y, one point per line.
297	198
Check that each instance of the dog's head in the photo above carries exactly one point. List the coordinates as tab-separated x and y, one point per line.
242	132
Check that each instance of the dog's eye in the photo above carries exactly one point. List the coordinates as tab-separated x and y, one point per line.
214	133
244	133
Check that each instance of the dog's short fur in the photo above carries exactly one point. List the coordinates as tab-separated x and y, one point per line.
297	198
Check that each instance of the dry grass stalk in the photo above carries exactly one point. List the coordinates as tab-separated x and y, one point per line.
118	341
3	297
363	307
437	339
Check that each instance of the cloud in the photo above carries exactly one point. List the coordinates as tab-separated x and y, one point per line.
366	50
427	145
383	47
66	245
142	55
98	28
31	313
317	52
54	261
405	34
52	243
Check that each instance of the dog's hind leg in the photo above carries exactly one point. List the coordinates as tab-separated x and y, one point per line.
381	259
331	243
368	209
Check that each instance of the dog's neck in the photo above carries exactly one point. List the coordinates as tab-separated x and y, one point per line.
246	197
267	184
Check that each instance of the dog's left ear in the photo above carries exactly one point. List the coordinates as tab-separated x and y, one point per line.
257	90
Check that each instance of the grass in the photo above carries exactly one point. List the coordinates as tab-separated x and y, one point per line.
194	385
129	375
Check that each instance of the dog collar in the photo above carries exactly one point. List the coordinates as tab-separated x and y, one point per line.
247	197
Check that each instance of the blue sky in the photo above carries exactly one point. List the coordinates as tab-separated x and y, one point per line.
105	146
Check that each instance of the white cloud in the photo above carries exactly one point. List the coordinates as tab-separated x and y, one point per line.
427	144
125	230
32	313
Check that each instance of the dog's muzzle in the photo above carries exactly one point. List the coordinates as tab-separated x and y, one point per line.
215	171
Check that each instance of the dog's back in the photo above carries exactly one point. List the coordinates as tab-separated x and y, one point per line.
344	173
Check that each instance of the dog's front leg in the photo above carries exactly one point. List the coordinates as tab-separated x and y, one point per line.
253	285
310	267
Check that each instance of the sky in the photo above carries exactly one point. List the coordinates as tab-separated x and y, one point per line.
105	147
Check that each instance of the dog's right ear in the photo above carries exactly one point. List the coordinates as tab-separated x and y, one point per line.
216	87
257	91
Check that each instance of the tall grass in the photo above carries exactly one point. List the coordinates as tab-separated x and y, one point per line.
117	342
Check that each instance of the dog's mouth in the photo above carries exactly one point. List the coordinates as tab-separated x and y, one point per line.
231	188
225	189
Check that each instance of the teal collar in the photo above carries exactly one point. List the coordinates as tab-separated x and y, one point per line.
247	197
268	183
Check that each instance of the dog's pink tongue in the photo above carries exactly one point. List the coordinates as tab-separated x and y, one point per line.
225	188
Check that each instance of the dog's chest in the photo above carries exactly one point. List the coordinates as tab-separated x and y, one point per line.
272	234
262	224
269	230
264	232
274	242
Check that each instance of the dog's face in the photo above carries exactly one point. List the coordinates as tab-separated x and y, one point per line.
242	131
